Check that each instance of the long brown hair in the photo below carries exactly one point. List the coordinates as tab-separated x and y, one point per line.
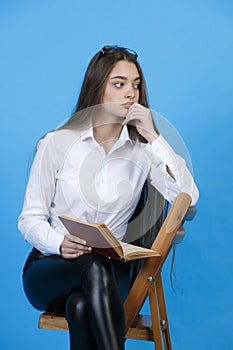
94	84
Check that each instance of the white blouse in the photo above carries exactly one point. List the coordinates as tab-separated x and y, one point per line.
72	175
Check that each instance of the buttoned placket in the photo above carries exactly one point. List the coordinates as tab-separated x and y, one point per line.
102	175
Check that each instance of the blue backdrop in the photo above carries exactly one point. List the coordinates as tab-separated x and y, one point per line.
186	51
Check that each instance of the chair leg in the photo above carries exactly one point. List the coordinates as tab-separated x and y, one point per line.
154	310
163	313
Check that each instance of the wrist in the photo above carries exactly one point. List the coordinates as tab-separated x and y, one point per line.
151	137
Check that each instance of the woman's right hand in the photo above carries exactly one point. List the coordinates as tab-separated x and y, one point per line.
72	247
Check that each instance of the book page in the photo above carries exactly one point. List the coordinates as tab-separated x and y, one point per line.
132	251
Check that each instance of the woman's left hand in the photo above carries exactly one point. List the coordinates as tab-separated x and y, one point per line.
141	117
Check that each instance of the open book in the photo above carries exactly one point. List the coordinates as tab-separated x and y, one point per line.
102	241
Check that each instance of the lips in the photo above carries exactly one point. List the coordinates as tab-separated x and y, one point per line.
127	105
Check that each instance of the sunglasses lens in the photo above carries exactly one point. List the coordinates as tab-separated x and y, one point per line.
108	49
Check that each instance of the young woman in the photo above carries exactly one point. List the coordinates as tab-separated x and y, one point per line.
93	168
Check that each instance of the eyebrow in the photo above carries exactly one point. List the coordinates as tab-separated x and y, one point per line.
123	78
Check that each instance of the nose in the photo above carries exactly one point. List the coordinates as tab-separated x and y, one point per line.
130	96
130	93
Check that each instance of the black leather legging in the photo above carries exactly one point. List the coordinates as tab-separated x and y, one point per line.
90	290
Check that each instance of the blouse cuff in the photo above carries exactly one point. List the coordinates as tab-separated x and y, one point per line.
54	242
162	149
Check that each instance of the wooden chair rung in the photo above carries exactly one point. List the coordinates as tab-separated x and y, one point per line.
140	329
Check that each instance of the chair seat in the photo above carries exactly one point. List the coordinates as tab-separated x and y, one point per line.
53	321
140	328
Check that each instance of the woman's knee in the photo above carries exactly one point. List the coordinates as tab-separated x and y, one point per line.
76	306
98	274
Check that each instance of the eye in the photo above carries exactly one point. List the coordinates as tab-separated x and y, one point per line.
118	84
137	84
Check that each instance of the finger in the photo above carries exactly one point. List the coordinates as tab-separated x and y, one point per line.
136	112
72	255
78	243
74	251
76	239
73	246
68	245
129	119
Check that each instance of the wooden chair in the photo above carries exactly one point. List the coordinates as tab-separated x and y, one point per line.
148	283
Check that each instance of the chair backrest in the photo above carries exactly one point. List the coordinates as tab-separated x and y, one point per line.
147	218
145	222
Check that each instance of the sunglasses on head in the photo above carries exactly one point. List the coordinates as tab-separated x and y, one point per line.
108	49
